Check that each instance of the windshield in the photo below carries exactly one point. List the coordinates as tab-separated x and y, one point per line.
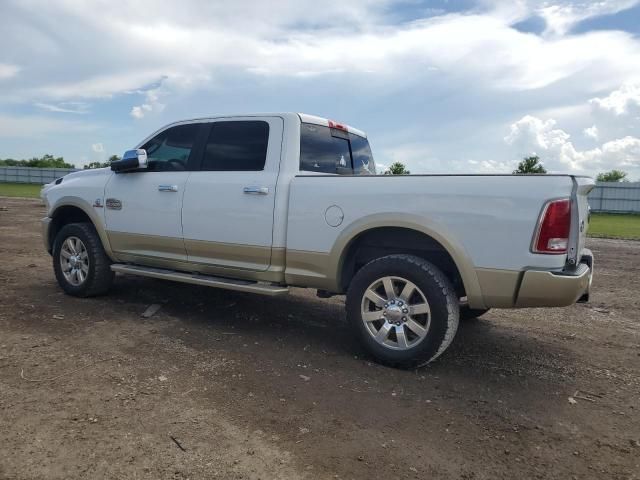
329	150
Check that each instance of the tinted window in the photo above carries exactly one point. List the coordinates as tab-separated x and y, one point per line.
330	151
363	163
170	150
236	146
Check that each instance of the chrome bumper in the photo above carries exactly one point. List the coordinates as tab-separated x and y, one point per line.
556	289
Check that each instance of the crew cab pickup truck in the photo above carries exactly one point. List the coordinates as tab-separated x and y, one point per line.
261	203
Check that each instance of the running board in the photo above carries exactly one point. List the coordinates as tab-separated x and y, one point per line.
197	279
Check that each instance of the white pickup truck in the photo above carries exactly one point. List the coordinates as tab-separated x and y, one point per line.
260	203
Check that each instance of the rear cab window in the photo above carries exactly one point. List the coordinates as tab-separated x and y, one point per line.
334	151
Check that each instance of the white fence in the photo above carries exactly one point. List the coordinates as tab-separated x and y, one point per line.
605	197
32	175
615	197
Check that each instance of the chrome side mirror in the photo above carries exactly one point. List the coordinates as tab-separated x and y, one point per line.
131	160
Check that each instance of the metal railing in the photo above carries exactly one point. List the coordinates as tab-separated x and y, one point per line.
615	197
32	174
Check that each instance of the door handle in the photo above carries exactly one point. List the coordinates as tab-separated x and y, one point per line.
256	190
168	188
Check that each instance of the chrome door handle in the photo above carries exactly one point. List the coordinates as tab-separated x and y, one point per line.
168	188
256	190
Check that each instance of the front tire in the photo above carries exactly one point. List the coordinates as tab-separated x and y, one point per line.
403	310
80	263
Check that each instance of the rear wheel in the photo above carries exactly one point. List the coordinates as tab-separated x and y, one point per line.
81	265
403	310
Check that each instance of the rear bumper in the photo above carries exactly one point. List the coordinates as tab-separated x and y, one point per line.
556	289
45	223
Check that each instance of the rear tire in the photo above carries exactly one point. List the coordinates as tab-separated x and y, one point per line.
80	263
403	310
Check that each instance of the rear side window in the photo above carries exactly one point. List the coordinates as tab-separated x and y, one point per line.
363	163
327	150
236	146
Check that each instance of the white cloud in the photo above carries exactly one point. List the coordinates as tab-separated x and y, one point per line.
199	40
534	135
591	132
97	147
436	79
152	104
530	130
622	101
8	71
562	16
64	107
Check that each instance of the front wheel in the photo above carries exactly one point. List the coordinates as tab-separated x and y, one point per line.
403	310
81	265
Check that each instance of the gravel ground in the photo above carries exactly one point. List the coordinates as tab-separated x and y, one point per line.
221	384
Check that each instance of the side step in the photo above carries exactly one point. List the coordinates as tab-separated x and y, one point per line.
197	279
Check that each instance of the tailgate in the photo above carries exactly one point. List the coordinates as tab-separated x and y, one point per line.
580	217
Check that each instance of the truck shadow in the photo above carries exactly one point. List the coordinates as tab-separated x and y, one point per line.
307	329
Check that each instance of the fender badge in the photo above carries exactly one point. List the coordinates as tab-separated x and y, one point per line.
98	203
113	204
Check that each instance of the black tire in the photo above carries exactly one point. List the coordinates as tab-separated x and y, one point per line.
469	314
99	277
438	292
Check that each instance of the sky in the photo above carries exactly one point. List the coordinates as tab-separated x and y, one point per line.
444	86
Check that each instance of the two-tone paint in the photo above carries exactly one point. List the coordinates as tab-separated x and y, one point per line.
288	227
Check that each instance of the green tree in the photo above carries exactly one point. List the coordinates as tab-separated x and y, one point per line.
112	158
612	176
397	168
46	161
530	165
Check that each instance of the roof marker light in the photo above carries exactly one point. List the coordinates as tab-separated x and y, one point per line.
337	126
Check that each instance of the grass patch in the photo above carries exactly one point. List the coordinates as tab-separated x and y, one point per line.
20	190
610	225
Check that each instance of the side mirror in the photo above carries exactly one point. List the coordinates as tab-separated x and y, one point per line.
131	160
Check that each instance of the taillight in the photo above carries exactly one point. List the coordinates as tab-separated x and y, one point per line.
553	229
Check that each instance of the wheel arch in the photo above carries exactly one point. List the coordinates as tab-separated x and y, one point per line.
384	234
73	210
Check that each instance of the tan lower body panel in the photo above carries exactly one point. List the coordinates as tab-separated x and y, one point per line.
499	287
545	289
147	245
310	269
211	258
249	257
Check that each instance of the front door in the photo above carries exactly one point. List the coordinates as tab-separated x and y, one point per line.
143	208
229	203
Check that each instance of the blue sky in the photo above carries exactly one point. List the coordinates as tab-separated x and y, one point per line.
443	86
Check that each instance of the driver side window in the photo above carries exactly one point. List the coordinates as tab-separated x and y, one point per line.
171	149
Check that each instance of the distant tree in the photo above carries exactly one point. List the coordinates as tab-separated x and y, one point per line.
112	158
612	176
397	168
46	161
530	165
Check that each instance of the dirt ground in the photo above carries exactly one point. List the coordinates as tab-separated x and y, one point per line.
253	387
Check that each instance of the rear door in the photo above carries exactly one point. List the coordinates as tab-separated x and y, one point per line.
228	204
143	208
